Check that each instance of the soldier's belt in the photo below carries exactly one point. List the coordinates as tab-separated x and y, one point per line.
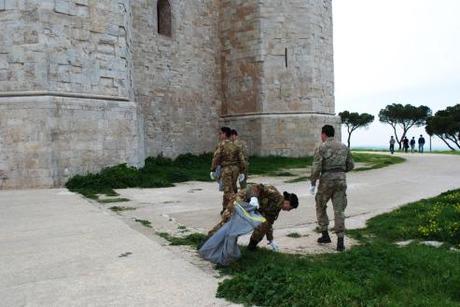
334	170
229	164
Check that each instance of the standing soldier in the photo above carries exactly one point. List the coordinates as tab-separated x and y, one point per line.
244	147
231	159
331	161
269	202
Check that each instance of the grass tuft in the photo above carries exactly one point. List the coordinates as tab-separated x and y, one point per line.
294	235
191	240
145	223
112	200
120	209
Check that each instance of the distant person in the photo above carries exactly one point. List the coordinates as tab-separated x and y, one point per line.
392	145
412	144
421	143
405	144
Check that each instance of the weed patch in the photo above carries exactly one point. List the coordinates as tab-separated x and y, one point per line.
112	200
375	161
191	240
145	223
120	209
294	235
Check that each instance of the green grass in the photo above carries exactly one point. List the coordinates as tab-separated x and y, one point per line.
372	161
112	200
375	273
294	235
145	223
191	240
120	209
163	172
375	161
435	218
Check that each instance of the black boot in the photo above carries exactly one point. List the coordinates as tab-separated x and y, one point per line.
340	245
252	246
324	238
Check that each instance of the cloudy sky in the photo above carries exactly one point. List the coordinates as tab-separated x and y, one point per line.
395	51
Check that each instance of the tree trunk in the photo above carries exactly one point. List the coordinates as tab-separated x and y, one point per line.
447	143
349	138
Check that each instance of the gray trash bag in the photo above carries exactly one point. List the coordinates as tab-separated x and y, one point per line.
217	175
222	247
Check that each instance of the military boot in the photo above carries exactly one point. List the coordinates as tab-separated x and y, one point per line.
340	245
324	238
252	246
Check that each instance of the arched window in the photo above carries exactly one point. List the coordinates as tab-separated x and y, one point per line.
164	18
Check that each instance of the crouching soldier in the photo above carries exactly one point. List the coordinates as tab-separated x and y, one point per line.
269	202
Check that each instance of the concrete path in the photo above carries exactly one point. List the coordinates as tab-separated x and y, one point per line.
196	204
56	249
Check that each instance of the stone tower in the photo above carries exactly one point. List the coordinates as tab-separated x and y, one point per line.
86	84
277	76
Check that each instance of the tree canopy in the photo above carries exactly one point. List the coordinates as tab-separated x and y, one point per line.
354	120
404	117
445	124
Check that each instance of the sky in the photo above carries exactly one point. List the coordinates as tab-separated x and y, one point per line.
395	51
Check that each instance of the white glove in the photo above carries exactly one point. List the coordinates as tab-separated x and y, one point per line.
254	202
312	189
241	177
274	246
211	175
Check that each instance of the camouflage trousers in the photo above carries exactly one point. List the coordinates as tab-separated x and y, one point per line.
229	178
335	190
224	217
244	183
264	229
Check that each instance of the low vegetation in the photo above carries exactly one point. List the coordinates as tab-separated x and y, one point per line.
121	209
192	239
144	223
112	200
376	273
374	161
435	218
163	172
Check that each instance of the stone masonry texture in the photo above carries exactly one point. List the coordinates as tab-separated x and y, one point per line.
86	84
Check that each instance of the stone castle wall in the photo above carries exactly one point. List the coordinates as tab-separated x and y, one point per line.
279	78
65	93
177	78
91	83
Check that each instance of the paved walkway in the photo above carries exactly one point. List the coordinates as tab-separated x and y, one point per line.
197	204
57	249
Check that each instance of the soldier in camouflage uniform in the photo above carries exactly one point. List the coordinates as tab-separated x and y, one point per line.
331	161
231	159
271	202
244	147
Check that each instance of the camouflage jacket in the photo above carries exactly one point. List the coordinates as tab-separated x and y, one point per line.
270	200
228	154
244	148
331	158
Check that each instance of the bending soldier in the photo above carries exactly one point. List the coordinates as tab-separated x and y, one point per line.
231	159
270	203
331	161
